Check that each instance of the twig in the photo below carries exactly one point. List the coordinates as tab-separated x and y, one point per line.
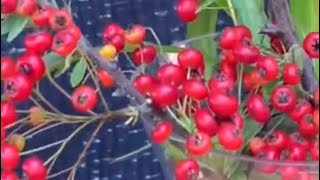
42	148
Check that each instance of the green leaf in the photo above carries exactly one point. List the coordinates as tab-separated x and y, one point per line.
78	72
62	69
6	24
174	152
251	129
53	61
15	25
3	97
238	175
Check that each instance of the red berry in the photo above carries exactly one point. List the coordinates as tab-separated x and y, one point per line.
231	37
26	7
31	65
221	82
144	83
60	19
228	69
316	117
41	16
230	137
283	98
311	44
269	154
105	78
242	32
38	42
277	45
135	35
191	58
206	122
278	139
3	132
195	89
296	152
302	108
18	87
75	31
34	169
144	55
164	95
298	139
9	175
307	126
161	132
258	109
257	79
84	98
316	97
237	120
111	30
222	104
7	67
256	145
199	144
8	113
315	150
228	56
171	74
64	43
8	6
289	172
117	41
187	170
246	53
187	10
268	68
291	74
9	157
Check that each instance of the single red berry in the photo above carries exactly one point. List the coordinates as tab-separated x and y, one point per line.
237	120
64	43
222	104
3	133
9	157
289	172
256	145
302	108
277	45
269	154
278	139
297	139
31	65
41	16
60	19
8	6
171	74
221	82
34	168
105	78
164	95
195	89
311	44
187	169
248	83
38	42
135	35
283	98
9	175
246	52
18	87
144	83
295	152
316	117
84	98
228	69
257	79
242	32
199	144
307	126
316	97
161	132
230	137
75	31
268	68
8	113
291	74
206	122
315	150
187	10
191	58
111	30
231	37
144	55
258	109
228	56
7	67
117	41
26	7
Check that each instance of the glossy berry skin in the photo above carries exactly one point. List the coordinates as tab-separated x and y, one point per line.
9	175
8	6
187	10
171	74
231	37
283	98
75	31
315	150
161	132
105	78
256	145
60	19
84	98
268	68
289	172
307	126
221	82
117	41
206	122
258	109
297	139
199	144
228	56
278	139
311	44
18	87
111	30
230	137
26	7
144	55
164	95
296	153
222	104
34	168
135	35
291	74
237	120
302	108
3	134
64	43
228	69
38	42
187	169
246	53
7	67
144	83
270	154
195	89
31	65
41	17
9	157
190	58
8	113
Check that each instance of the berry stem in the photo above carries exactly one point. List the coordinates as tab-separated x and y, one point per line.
241	69
42	148
232	12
